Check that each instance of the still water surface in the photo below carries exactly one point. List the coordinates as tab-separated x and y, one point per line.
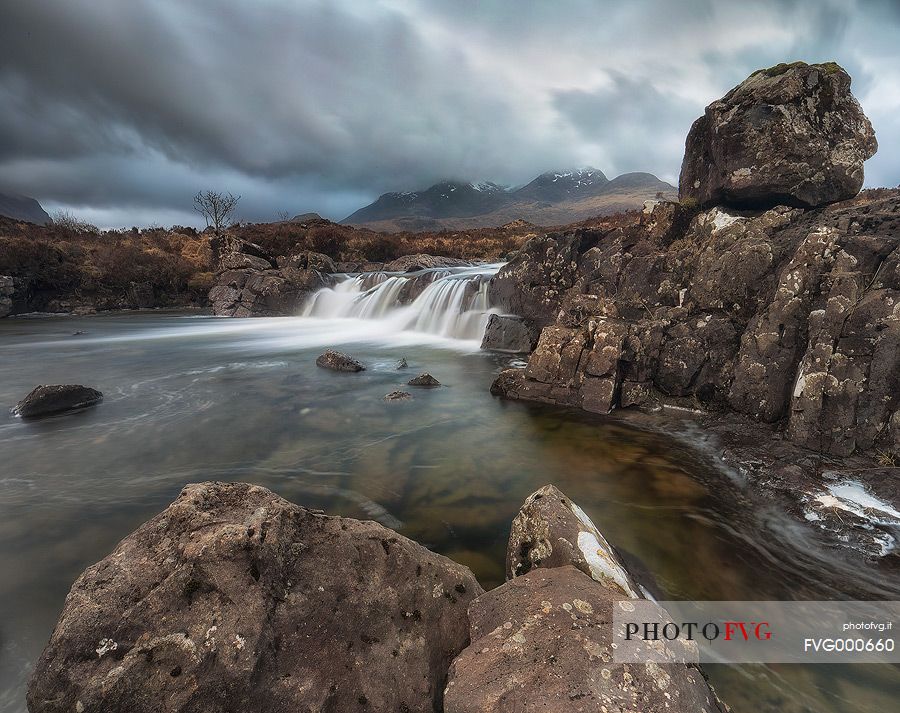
193	398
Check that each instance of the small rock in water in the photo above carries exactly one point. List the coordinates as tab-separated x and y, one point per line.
339	362
75	334
398	396
425	379
402	363
50	400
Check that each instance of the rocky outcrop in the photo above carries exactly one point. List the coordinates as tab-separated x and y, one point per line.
6	294
338	361
424	379
251	283
544	639
509	333
789	135
51	400
790	317
414	263
234	599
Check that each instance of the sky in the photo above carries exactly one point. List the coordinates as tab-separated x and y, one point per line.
119	112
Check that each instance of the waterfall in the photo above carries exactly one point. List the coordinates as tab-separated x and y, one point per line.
448	302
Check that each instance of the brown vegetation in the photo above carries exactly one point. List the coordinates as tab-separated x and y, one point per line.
64	266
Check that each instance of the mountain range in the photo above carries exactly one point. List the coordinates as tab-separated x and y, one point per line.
553	198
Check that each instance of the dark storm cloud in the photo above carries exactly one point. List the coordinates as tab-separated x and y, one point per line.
121	110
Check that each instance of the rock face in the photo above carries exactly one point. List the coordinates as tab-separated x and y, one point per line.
338	361
543	640
234	599
790	317
509	333
51	400
789	135
251	283
425	379
413	263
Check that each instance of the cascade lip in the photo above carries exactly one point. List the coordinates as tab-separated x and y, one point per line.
485	268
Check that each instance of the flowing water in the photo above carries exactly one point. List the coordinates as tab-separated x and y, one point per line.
190	398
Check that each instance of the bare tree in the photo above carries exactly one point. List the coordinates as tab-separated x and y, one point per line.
217	208
283	216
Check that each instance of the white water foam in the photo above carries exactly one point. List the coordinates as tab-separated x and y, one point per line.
454	303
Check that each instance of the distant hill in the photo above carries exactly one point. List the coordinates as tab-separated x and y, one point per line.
23	208
553	198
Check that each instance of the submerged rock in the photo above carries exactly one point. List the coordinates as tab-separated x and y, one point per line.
51	400
398	396
339	361
789	135
424	379
509	333
235	599
401	363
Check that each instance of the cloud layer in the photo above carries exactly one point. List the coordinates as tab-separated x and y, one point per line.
121	111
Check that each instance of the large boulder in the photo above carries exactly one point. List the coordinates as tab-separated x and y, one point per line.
552	531
60	398
234	599
790	135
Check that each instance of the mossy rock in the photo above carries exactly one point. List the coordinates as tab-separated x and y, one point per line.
784	67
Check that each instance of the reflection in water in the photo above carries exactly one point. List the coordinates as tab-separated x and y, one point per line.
191	399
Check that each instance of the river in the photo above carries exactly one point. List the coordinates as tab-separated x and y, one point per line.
191	398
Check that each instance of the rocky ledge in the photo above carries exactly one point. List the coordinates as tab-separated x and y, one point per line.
234	599
252	283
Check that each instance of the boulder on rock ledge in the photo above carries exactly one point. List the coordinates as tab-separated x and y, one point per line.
792	135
